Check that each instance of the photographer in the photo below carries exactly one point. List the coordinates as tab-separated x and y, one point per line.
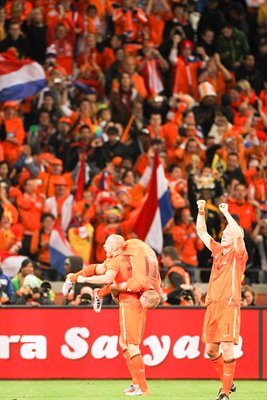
84	298
173	276
32	293
247	297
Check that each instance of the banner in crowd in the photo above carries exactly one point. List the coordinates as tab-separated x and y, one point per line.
156	211
20	78
42	343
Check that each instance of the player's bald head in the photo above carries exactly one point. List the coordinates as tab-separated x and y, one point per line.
150	299
116	241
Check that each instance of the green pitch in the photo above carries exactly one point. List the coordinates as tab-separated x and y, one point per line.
112	390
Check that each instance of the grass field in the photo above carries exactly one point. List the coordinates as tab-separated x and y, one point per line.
112	390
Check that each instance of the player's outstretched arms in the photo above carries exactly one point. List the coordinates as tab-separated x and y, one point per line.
201	224
104	279
89	270
236	230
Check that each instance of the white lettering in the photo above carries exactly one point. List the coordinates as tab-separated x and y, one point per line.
76	346
238	352
105	347
159	352
5	345
34	347
187	346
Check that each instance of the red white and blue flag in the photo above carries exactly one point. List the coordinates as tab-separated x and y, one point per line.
59	249
20	79
156	211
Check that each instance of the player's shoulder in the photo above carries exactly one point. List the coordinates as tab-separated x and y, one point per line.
110	263
215	246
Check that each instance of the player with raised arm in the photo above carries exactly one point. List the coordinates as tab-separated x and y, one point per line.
222	319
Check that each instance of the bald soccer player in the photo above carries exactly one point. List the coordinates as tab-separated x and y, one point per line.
123	266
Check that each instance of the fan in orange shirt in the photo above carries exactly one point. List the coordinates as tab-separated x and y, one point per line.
129	21
158	13
15	133
10	234
222	320
185	68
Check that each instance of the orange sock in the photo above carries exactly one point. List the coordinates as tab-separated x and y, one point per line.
228	375
138	367
127	357
104	291
218	365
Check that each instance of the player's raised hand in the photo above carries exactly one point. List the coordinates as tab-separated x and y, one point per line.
201	205
223	207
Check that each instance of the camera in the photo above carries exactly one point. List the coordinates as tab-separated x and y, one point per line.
145	131
112	130
188	295
57	80
45	288
35	290
86	299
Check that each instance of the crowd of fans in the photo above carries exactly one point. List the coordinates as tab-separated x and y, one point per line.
128	79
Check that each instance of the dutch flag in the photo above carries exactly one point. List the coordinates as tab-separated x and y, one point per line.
59	250
20	79
156	211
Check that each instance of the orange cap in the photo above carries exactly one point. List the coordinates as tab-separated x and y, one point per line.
60	180
12	104
55	161
46	157
116	161
65	120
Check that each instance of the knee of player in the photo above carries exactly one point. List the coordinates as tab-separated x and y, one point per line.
212	351
133	349
228	350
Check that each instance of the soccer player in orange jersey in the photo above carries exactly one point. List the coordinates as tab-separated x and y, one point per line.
145	278
118	268
222	320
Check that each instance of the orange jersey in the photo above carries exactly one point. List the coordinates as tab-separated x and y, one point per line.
14	131
145	268
121	265
187	242
40	246
30	211
186	77
226	275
